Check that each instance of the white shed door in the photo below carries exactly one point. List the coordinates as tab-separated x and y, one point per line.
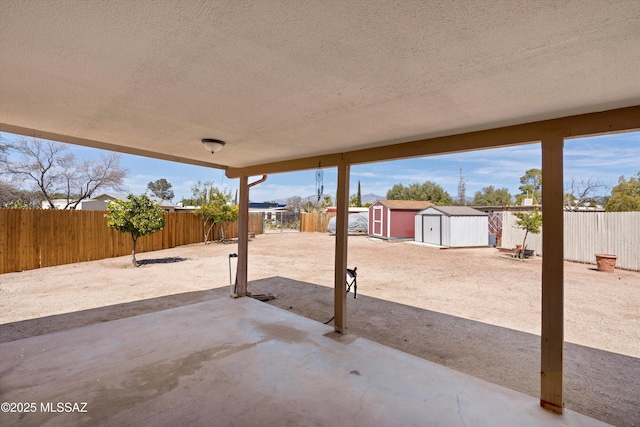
431	229
377	220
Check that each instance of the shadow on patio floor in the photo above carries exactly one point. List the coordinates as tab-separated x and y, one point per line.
60	322
600	384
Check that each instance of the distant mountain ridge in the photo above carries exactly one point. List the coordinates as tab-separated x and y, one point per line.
371	198
366	198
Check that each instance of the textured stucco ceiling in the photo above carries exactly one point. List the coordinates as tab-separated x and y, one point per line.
286	79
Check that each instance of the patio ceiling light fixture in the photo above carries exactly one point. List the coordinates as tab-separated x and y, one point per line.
213	145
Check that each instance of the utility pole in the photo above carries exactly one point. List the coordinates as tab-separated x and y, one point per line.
462	199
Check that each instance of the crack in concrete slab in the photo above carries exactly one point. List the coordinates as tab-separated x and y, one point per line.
361	404
458	402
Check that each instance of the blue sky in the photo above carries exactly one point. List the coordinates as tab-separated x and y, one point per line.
602	158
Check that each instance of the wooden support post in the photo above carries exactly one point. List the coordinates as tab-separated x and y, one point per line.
342	232
551	381
243	237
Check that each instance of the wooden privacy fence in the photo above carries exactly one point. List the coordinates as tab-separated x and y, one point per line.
34	238
315	222
587	234
256	226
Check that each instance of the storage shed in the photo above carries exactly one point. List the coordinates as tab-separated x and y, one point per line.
394	219
452	226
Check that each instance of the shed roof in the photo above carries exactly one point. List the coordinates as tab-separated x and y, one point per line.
457	211
405	204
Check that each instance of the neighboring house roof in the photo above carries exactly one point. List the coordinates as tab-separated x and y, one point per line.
161	202
507	208
58	203
405	204
120	196
105	197
457	211
266	205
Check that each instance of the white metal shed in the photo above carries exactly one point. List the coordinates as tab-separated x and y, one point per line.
452	226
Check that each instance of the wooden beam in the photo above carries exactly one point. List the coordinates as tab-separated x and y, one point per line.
118	148
342	232
612	121
551	364
243	237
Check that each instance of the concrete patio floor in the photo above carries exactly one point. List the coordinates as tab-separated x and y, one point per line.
244	363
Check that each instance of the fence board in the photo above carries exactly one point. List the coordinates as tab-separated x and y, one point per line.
34	238
586	234
315	221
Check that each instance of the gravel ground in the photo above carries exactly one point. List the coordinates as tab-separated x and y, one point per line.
473	310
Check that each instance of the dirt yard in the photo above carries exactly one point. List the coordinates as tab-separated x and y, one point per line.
470	309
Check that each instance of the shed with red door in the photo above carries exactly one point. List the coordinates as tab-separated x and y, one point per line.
395	219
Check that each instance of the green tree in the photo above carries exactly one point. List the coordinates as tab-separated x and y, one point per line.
490	196
189	201
530	222
625	196
21	204
532	185
428	191
137	215
356	199
215	209
161	188
327	202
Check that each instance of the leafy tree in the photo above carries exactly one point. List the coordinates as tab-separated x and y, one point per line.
532	185
136	215
490	196
327	202
215	209
530	222
161	188
428	191
356	199
21	204
53	169
625	196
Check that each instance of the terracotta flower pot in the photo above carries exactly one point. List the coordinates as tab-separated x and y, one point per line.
606	262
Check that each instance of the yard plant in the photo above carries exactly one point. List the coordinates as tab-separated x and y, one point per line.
137	215
215	209
530	222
